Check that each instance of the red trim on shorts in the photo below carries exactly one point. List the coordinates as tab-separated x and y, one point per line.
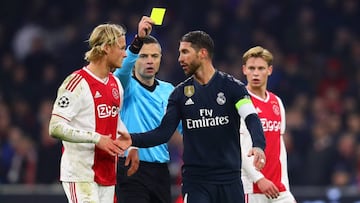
73	192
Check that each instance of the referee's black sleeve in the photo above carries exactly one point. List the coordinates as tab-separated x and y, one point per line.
159	135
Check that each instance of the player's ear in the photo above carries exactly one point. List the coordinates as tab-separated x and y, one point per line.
270	70
244	69
203	52
106	48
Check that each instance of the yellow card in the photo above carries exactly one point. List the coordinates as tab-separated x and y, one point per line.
157	15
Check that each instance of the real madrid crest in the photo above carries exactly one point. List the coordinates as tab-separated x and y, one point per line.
189	90
221	99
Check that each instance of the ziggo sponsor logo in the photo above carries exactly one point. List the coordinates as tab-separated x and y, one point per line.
269	125
105	111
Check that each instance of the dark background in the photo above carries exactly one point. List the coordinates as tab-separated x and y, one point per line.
316	47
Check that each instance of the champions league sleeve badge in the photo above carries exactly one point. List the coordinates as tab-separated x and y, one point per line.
63	102
189	90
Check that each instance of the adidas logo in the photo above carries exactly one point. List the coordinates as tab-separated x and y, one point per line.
97	95
258	110
189	102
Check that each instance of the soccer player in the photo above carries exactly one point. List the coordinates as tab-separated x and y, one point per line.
145	100
85	117
209	104
271	183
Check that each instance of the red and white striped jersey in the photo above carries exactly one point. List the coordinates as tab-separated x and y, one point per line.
91	104
272	116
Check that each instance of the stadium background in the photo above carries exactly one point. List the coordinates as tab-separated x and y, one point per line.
316	45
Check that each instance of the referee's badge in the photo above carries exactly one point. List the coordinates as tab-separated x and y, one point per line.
189	90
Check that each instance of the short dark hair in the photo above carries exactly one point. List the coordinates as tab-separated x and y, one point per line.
199	39
150	40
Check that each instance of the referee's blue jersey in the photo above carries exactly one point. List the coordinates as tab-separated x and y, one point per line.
142	109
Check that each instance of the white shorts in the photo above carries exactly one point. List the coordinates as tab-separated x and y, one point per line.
284	197
88	192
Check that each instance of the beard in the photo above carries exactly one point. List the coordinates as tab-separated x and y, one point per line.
193	67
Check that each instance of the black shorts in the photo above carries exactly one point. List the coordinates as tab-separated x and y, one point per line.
213	193
150	183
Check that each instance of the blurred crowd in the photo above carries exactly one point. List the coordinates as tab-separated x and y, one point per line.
316	47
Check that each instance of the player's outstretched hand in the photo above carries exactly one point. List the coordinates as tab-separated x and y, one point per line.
145	26
259	157
132	159
108	145
124	140
268	188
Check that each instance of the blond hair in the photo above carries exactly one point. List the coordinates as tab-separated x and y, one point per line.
104	34
258	52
